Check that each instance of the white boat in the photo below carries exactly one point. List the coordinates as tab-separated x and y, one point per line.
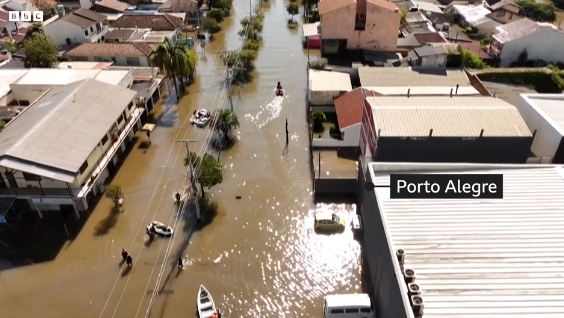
206	306
160	228
200	118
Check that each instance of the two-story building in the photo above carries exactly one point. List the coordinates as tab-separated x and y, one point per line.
541	41
57	154
155	22
505	12
363	24
121	54
80	26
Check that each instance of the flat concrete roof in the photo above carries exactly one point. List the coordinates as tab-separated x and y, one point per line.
7	77
550	106
329	81
459	116
480	258
409	77
54	136
424	90
56	76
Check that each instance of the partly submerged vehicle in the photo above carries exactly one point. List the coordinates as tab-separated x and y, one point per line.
159	228
206	306
200	118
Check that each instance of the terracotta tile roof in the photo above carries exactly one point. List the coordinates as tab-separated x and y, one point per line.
429	37
90	15
17	36
326	6
384	4
112	5
164	22
476	48
111	49
349	106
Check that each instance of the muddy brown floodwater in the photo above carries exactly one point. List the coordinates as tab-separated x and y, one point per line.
259	257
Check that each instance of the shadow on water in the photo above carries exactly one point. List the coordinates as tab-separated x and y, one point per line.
208	212
126	271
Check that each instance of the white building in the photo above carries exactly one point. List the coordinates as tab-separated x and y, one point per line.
25	86
544	115
56	153
541	41
80	26
324	86
471	257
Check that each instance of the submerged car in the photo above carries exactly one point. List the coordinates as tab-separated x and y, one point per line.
329	222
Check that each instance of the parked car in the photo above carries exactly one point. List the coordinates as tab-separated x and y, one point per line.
329	222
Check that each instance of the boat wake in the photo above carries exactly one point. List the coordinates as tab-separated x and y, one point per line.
267	112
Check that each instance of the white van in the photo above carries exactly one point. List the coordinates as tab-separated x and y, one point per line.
348	306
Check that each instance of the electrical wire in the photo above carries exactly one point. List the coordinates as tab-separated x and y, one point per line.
148	208
181	209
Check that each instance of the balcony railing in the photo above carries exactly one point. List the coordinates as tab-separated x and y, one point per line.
34	192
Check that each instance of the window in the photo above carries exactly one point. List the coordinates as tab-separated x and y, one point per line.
114	59
351	310
91	29
365	310
120	119
105	139
31	177
510	16
130	106
85	32
500	13
337	311
83	167
133	61
124	114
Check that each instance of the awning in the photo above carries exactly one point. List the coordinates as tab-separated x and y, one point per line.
5	205
148	127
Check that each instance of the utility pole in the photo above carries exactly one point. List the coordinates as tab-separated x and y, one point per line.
191	168
287	140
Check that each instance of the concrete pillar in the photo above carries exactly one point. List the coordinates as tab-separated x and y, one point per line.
76	212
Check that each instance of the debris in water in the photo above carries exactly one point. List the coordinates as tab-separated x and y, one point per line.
238	197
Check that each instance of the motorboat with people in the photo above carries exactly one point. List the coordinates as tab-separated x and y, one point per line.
200	118
206	306
159	228
279	90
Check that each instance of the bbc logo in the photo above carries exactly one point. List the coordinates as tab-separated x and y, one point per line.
26	16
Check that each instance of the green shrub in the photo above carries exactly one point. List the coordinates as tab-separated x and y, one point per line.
318	119
216	14
541	80
251	45
210	24
318	63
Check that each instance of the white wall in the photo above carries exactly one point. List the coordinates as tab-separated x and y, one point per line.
547	137
351	138
46	183
546	44
60	30
322	98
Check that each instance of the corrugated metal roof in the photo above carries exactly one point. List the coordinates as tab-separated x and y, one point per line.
62	128
329	81
483	258
460	116
411	76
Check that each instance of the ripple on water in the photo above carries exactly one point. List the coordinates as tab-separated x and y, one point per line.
267	112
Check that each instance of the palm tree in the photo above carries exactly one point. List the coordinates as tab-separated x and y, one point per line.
35	27
175	61
224	121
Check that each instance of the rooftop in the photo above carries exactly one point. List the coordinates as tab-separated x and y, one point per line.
411	77
516	30
69	120
329	81
112	5
138	72
84	65
332	5
7	77
157	22
458	116
83	18
125	49
429	50
476	16
55	76
428	37
549	106
118	34
349	107
480	258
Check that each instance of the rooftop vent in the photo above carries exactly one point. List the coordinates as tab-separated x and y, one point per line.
417	306
400	254
409	276
413	290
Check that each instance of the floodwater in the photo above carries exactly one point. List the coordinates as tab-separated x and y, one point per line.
259	257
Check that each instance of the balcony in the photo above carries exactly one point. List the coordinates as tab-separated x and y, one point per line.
34	192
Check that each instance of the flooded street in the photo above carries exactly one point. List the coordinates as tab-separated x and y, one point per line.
259	257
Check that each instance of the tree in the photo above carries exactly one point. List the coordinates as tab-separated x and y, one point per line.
114	193
48	8
251	45
35	27
318	119
318	63
208	170
224	5
541	12
40	52
175	61
210	24
469	59
216	14
293	9
224	121
403	20
2	124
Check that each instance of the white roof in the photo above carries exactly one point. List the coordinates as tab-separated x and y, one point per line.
54	136
424	90
81	65
476	16
55	76
348	300
329	81
7	77
481	258
549	106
